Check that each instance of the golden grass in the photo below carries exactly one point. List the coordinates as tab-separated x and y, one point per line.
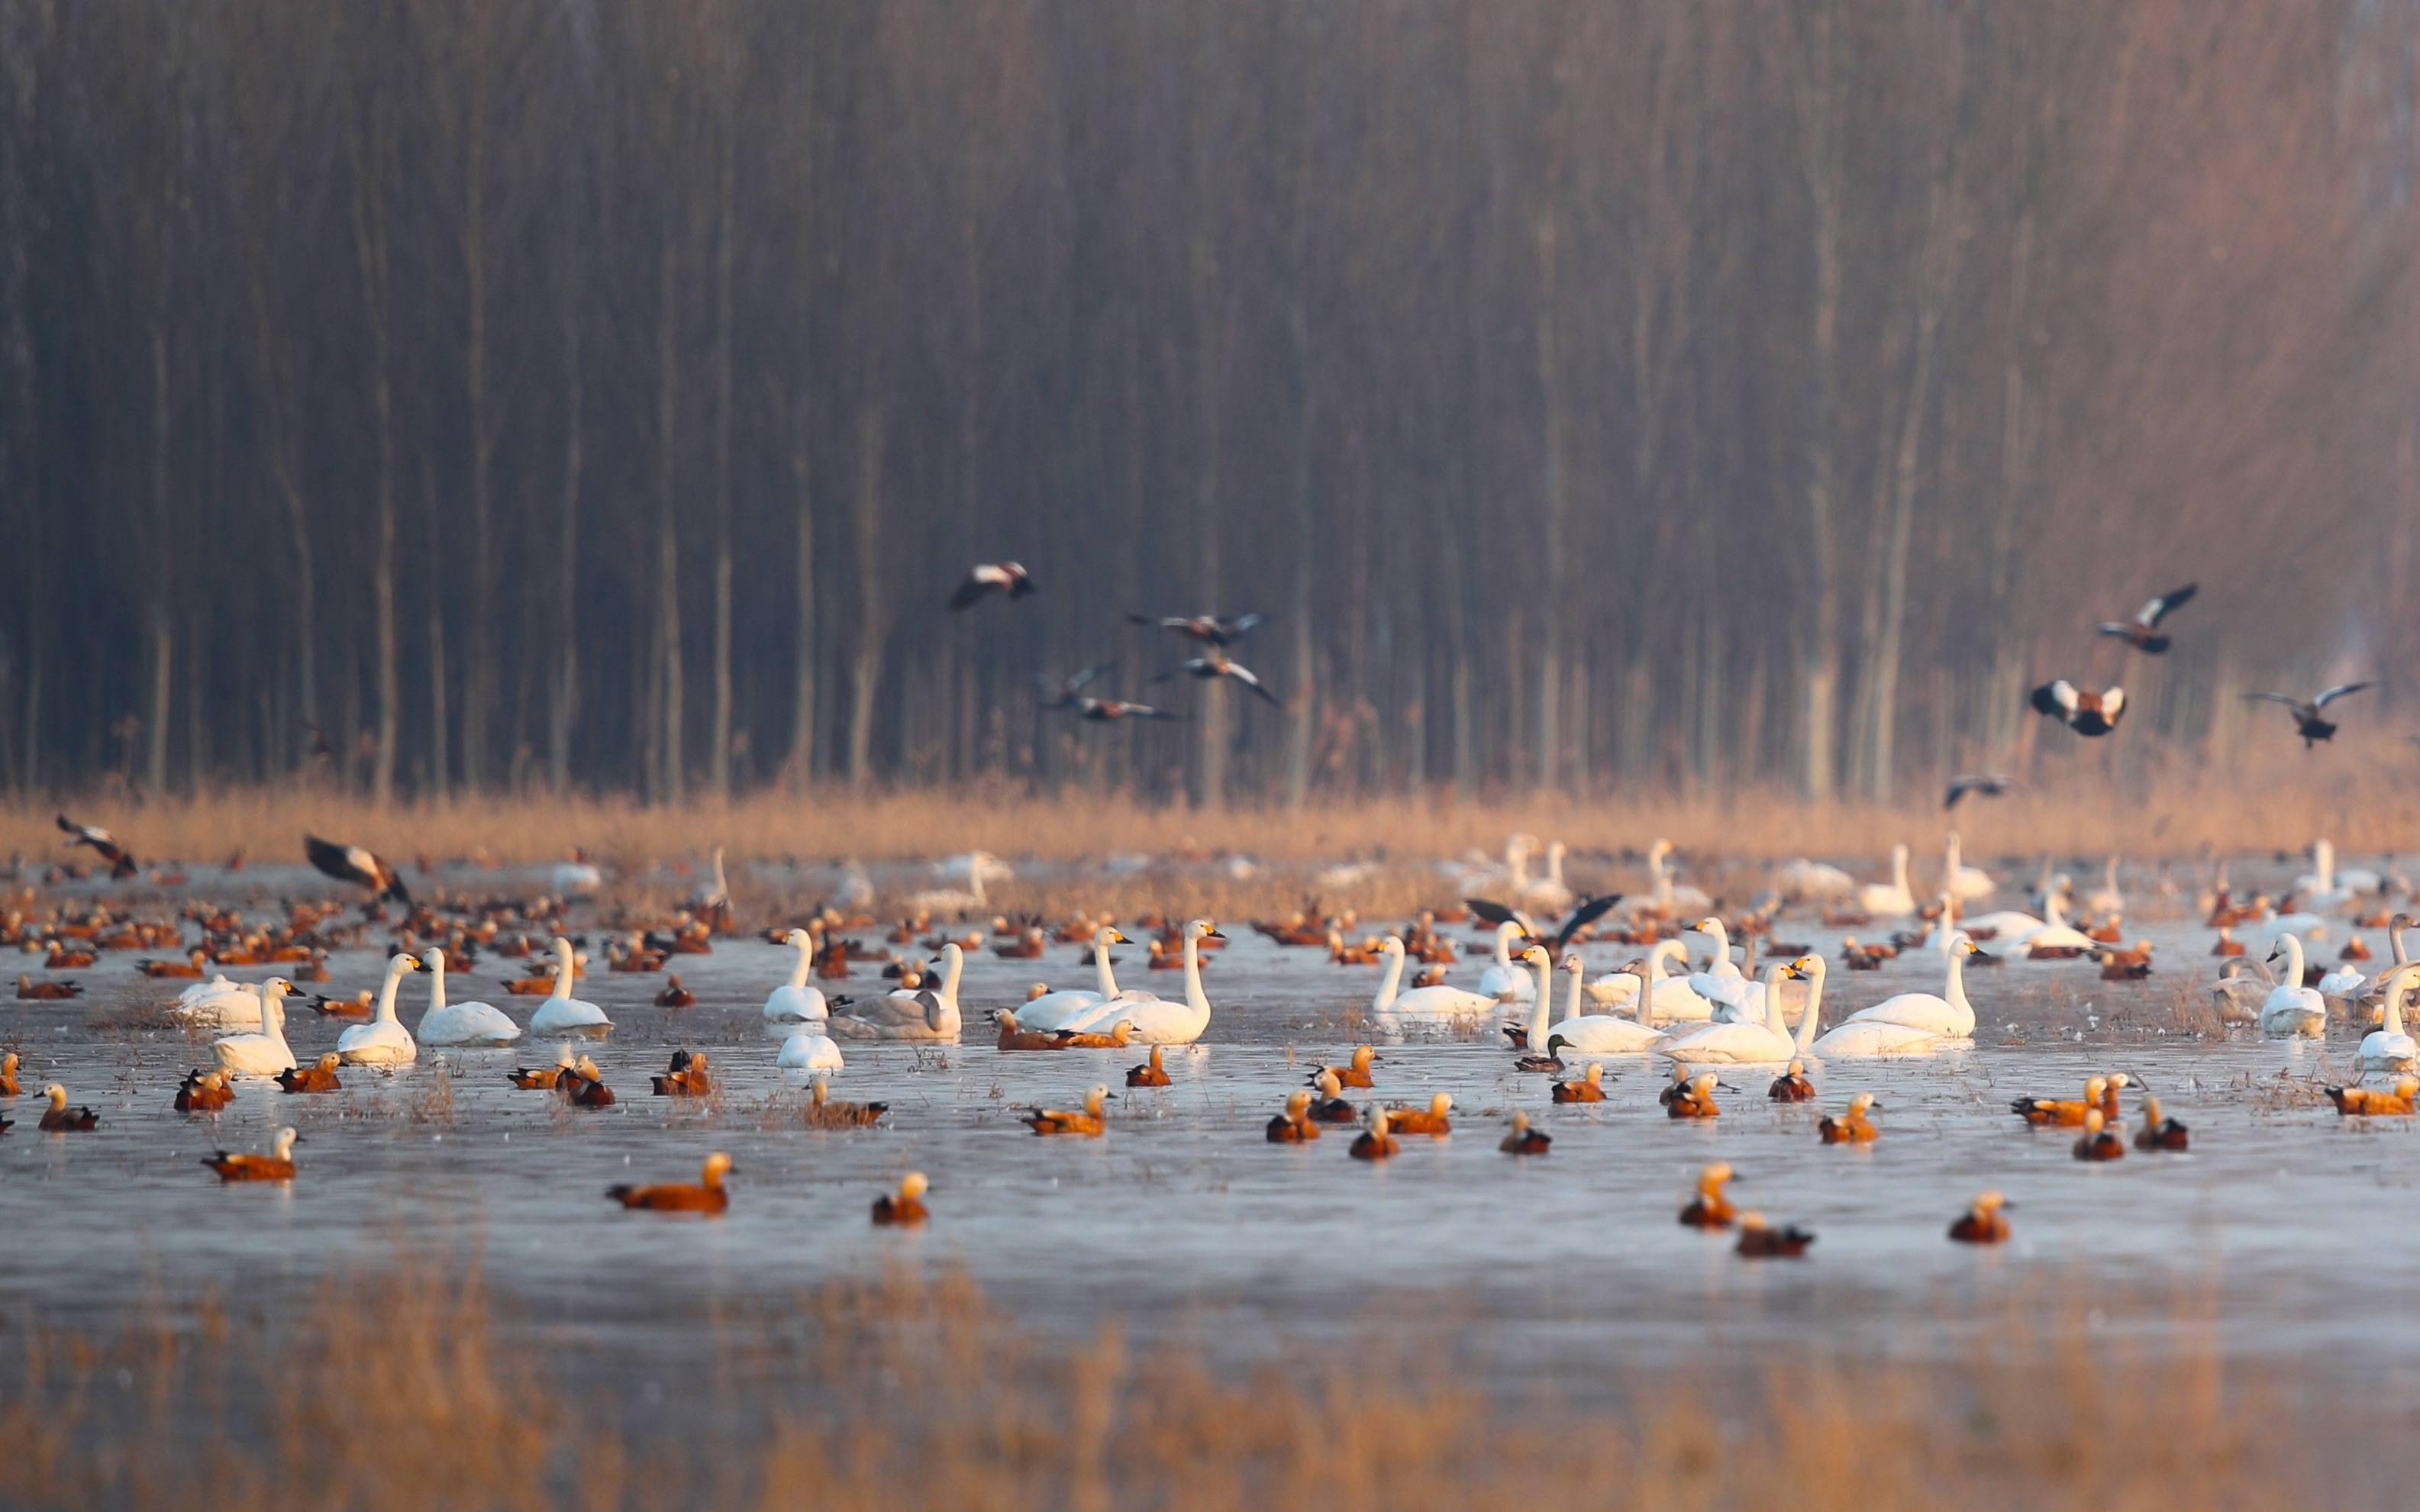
2367	802
392	1389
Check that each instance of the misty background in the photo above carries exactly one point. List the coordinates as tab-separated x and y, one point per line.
607	393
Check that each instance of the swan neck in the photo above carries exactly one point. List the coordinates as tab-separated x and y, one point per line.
563	964
386	994
435	981
1388	982
1102	977
1813	1021
1195	998
1542	1016
806	963
1504	933
2293	961
1775	1019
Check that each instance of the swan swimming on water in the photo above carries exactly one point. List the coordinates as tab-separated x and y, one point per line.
467	1024
562	1013
383	1040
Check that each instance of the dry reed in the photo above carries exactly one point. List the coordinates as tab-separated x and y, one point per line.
407	1389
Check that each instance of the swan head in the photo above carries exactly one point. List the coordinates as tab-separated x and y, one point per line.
1111	934
718	1165
1572	963
799	939
913	1186
1807	967
1536	956
1203	929
1962	943
275	988
1709	925
1390	947
433	959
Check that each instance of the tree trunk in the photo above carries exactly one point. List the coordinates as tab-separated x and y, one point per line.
726	233
668	622
562	701
370	247
872	619
162	638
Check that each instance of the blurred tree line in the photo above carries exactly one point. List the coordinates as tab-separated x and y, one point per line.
609	393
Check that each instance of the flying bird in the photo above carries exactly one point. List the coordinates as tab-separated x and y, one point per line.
1104	711
1587	911
1060	692
2087	714
1990	787
104	845
1006	578
2307	720
2139	631
1217	664
319	750
356	864
1207	628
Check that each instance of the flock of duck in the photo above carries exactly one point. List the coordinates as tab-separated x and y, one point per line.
1705	1017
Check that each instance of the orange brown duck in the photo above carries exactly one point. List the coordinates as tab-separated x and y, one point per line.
204	1091
675	994
47	992
904	1208
1330	1107
2099	1096
1356	1073
1697	1101
319	1076
1793	1086
687	1075
1711	1208
1089	1122
709	1195
1524	1140
191	966
1376	1142
2160	1133
1852	1127
1760	1240
1152	1072
1588	1087
1294	1126
1435	1119
2397	1102
277	1165
9	1083
60	1118
582	1086
542	1078
1984	1221
2100	1141
825	1111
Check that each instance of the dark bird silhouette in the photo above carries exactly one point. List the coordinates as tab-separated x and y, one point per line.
356	864
1218	664
319	750
1990	787
1207	628
2087	714
1102	711
2308	722
1061	692
104	843
2137	632
1008	578
1586	912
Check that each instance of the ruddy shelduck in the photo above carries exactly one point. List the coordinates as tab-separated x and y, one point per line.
1983	1222
1294	1126
904	1208
1852	1127
1152	1072
1760	1240
1524	1140
277	1165
1375	1143
1588	1087
1089	1123
709	1195
1711	1208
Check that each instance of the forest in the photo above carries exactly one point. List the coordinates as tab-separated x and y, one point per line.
480	395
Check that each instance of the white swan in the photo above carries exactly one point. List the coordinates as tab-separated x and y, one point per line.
1671	997
222	1003
2005	926
2343	982
1155	1019
1600	1034
2325	886
794	1001
1746	1043
968	899
562	1013
2108	898
1438	1002
1889	900
1052	1012
1505	982
264	1052
1721	982
1550	892
1950	1013
810	1050
2270	926
2390	1048
1664	897
383	1040
577	877
2056	933
461	1023
1866	1041
1803	880
1961	880
926	1013
2292	1011
2237	1000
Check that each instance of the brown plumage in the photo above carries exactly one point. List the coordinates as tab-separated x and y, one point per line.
2099	1142
1588	1087
904	1209
1374	1143
1331	1108
1695	1101
826	1112
1152	1072
2055	1113
1433	1119
189	967
1121	1034
356	1007
1793	1086
2158	1133
277	1165
1013	1038
1982	1223
1524	1140
708	1195
1711	1208
542	1079
1089	1123
47	992
204	1091
1354	1074
1759	1241
675	994
319	1076
687	1077
1852	1127
1294	1126
1677	1088
8	1085
60	1118
582	1086
2371	1103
